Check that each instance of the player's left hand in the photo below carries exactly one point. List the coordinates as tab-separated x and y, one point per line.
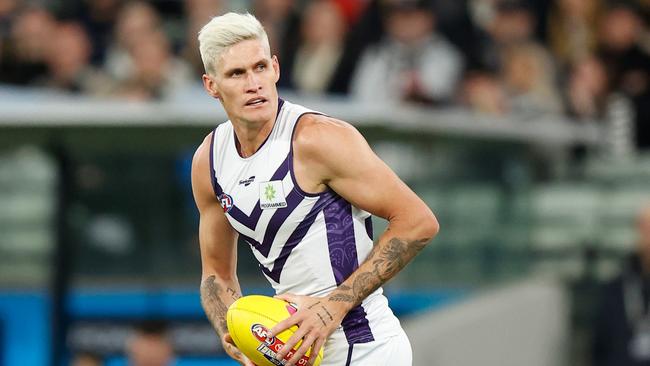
316	318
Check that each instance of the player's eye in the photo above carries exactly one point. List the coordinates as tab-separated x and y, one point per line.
261	67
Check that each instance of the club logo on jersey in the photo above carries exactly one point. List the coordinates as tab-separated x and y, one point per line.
226	202
272	195
247	182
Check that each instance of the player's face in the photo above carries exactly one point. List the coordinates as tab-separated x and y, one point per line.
245	82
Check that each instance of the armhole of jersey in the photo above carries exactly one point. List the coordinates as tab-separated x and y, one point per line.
213	176
293	175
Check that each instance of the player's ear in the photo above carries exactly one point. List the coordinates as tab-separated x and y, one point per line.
276	67
210	86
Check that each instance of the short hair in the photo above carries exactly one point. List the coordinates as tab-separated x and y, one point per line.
224	31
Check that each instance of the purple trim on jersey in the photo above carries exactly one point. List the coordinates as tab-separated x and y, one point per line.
277	220
293	175
369	231
296	237
252	220
277	114
349	359
213	176
343	258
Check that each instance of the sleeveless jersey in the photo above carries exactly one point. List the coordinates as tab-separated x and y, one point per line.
306	244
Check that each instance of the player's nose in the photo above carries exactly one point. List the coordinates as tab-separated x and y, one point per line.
253	82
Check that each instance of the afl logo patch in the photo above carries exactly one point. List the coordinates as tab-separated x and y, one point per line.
226	202
262	334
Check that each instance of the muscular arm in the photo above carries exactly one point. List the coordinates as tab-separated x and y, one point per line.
218	243
331	153
386	259
351	168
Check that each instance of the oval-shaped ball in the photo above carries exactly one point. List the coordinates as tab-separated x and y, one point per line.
250	318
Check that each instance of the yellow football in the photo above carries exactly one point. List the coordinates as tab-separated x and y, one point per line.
250	319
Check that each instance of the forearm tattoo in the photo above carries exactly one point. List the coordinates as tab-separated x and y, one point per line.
385	259
212	299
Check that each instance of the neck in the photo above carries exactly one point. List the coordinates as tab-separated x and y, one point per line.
251	136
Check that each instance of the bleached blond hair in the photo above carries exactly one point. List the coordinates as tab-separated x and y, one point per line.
224	31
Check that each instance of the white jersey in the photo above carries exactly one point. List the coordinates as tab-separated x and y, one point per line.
306	244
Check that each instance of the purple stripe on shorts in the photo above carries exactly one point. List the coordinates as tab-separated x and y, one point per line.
343	258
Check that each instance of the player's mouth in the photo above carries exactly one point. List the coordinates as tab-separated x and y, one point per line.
256	102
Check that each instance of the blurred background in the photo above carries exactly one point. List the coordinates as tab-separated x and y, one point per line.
524	125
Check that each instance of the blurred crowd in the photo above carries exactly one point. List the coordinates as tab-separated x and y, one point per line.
493	56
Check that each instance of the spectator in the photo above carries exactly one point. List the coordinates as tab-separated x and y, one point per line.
281	21
23	58
198	13
99	17
135	19
484	93
323	31
506	23
529	78
627	64
573	29
68	59
412	63
622	335
455	23
366	31
156	72
150	346
587	89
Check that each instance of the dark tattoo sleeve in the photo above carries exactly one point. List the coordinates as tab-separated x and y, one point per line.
385	259
215	301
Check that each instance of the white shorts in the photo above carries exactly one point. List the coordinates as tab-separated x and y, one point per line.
392	351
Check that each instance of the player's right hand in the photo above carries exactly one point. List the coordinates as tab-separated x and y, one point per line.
232	351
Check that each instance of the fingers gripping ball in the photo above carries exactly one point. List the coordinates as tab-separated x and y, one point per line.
249	320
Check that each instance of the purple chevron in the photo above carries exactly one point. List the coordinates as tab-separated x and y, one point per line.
297	236
213	177
278	218
252	220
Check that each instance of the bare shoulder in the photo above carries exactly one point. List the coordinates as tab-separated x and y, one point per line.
319	134
201	184
329	146
201	159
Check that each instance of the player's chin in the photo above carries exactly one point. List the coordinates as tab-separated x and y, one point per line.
258	114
